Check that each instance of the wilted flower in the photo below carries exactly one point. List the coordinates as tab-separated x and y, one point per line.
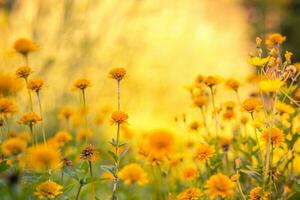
88	153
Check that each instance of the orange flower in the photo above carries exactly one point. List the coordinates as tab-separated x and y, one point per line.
252	104
35	84
117	73
204	152
233	84
277	136
189	173
275	38
82	84
24	46
23	72
118	117
219	185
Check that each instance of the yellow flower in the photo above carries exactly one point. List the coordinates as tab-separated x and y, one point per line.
25	46
225	143
277	136
82	84
258	194
82	134
189	173
23	72
190	194
24	136
219	185
233	84
257	61
35	84
62	137
133	173
288	56
41	158
66	112
200	101
275	38
9	84
270	85
211	81
204	152
48	190
252	104
117	73
13	146
30	119
118	117
284	108
7	106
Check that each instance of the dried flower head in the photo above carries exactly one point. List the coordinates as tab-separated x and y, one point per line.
118	117
35	84
48	190
25	46
88	153
30	119
23	72
82	84
117	73
67	162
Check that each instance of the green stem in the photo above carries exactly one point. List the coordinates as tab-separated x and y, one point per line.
41	114
29	94
78	191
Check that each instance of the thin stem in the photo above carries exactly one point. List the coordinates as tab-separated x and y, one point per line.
204	121
41	114
78	191
32	134
91	169
214	109
29	94
119	96
85	112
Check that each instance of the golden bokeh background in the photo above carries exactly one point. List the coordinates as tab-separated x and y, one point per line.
163	45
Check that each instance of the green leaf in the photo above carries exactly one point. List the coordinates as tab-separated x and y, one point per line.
110	168
85	167
71	173
3	166
114	156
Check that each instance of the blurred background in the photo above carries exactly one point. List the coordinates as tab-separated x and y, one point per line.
163	45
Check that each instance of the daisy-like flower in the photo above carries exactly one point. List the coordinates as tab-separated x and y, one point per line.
30	119
133	173
200	101
275	38
219	185
41	158
211	81
62	137
204	152
270	86
284	108
257	61
35	84
189	173
25	46
23	72
190	194
252	104
277	136
257	194
117	73
48	190
9	84
118	117
13	146
82	84
7	106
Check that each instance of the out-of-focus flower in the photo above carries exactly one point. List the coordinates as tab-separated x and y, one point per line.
30	119
277	136
35	84
284	108
200	101
288	56
275	38
62	137
82	134
194	126
82	84
225	143
219	185
190	194
117	73
160	141
257	61
13	146
233	84
252	104
270	85
25	46
258	41
118	117
7	106
66	112
133	173
257	194
23	72
9	84
189	173
204	152
48	190
211	81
